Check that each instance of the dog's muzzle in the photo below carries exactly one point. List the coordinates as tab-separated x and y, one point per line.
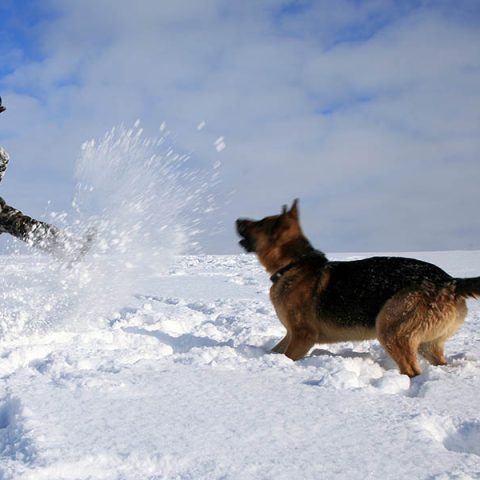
242	229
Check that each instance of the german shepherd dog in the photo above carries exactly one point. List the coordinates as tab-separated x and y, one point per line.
409	305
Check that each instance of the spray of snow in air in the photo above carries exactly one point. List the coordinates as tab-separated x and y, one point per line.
144	204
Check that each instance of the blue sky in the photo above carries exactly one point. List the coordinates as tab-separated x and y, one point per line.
368	111
19	32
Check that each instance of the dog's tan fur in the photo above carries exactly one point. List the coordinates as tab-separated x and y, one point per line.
419	318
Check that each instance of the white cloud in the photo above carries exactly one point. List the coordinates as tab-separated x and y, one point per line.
391	164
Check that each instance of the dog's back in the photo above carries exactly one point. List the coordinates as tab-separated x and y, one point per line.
357	290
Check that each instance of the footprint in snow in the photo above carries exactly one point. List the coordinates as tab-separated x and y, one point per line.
465	438
461	436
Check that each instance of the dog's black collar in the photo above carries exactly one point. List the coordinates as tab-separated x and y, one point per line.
308	256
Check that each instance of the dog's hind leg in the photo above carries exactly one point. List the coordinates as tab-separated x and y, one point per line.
404	353
399	328
433	352
449	319
419	319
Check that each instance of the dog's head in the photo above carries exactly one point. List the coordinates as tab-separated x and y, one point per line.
268	236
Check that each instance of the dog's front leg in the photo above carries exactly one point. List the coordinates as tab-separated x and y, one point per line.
281	346
299	345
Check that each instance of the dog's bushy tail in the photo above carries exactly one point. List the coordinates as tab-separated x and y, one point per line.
467	287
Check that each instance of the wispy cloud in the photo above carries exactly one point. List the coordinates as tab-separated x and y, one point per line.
367	111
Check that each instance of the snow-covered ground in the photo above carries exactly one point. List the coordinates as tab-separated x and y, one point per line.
178	383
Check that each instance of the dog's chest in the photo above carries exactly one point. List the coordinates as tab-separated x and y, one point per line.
279	296
291	299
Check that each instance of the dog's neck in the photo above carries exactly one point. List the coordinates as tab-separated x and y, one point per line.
288	254
314	256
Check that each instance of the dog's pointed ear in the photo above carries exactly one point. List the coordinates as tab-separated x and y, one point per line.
294	210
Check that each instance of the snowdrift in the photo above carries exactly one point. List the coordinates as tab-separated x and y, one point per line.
177	382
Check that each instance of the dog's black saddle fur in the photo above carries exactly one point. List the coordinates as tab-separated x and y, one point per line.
357	290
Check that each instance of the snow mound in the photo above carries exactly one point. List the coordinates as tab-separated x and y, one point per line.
178	382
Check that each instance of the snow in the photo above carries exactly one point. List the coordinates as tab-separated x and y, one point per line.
176	381
220	144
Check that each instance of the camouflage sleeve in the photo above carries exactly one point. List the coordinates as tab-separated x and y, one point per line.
2	205
4	158
23	227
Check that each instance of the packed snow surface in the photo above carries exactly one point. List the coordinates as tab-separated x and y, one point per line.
177	382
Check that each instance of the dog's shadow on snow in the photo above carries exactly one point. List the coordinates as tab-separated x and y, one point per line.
344	353
181	344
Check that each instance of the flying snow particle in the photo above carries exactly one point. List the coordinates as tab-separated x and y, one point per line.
220	144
